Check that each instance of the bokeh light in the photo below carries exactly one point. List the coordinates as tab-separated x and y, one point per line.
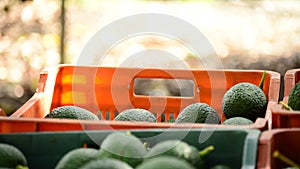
261	34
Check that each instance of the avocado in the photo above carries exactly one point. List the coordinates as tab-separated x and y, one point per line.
165	162
176	148
136	114
294	97
181	150
108	163
235	121
76	158
244	100
11	156
72	112
123	146
198	113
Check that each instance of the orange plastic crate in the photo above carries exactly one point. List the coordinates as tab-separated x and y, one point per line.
286	141
282	118
107	91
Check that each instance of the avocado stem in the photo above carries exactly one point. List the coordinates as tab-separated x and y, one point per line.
203	153
277	154
128	133
147	145
262	80
287	107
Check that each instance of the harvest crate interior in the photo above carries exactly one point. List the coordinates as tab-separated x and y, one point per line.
106	91
109	89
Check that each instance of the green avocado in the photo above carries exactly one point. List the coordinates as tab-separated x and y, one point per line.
181	150
294	97
136	114
108	163
176	148
244	100
77	158
123	146
235	121
11	156
72	112
165	162
198	113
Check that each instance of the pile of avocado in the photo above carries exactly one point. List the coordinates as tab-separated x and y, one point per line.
132	153
242	104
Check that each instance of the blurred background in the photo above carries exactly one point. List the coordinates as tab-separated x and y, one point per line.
258	34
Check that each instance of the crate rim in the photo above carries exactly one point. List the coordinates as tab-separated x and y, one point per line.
247	130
